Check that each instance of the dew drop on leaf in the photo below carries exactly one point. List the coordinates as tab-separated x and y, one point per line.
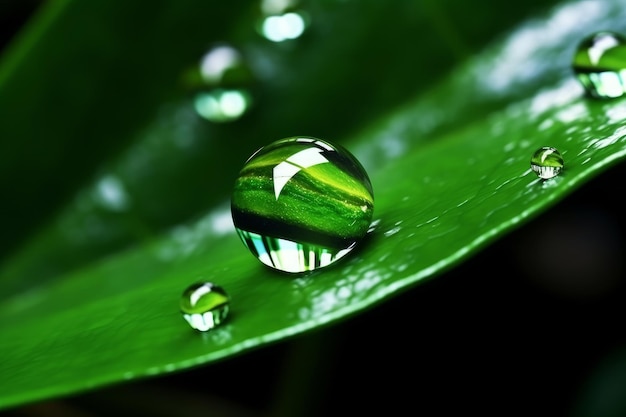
546	162
600	64
220	84
282	20
204	305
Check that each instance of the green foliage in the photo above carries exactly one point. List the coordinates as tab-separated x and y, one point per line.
95	89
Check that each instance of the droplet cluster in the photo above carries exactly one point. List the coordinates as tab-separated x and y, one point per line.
302	203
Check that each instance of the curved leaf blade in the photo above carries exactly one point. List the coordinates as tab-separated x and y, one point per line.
436	204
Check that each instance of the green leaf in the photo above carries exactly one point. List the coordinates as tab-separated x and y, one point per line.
450	171
69	58
171	153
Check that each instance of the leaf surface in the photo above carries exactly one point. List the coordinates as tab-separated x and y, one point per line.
450	171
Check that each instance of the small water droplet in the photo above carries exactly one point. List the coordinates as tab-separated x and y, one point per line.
282	20
111	194
283	27
220	84
204	305
546	162
220	105
600	64
302	203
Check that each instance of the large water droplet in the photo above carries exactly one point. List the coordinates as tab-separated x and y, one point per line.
204	305
302	203
546	162
600	64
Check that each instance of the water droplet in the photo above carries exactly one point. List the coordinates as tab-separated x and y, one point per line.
600	64
111	194
220	84
546	162
219	105
282	20
204	305
283	27
302	203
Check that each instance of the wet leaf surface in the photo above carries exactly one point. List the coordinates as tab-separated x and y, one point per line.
451	173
